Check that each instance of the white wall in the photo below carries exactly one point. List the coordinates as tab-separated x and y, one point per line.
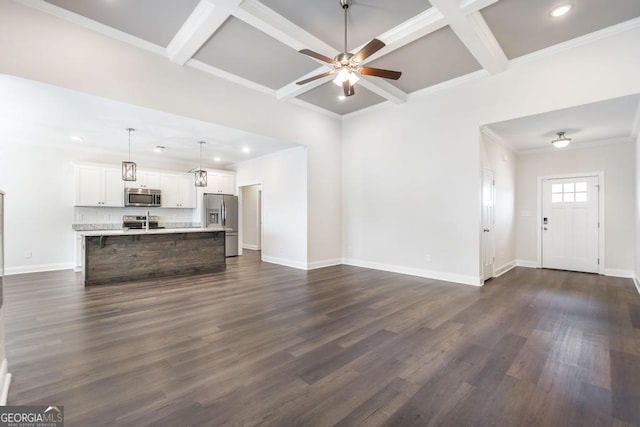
502	161
283	177
618	163
411	172
92	63
250	218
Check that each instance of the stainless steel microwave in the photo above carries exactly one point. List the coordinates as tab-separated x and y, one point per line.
141	197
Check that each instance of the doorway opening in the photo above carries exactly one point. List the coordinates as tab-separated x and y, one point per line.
570	214
252	217
488	223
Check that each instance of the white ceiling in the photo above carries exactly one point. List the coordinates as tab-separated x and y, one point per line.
611	121
256	43
40	114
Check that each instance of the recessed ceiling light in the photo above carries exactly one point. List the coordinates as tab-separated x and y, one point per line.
561	10
246	149
159	148
342	97
216	159
76	138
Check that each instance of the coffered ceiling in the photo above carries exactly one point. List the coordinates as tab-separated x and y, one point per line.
256	43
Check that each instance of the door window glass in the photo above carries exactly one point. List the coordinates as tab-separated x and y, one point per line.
569	193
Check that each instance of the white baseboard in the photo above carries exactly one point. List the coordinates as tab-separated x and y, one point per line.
8	271
286	262
614	272
5	380
324	263
429	274
526	263
637	283
505	267
250	247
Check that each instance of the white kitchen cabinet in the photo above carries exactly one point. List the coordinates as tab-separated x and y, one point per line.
146	179
221	183
98	186
178	191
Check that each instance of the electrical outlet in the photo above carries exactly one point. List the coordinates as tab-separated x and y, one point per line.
27	254
427	258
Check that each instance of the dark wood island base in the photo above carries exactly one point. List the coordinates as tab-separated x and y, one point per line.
116	258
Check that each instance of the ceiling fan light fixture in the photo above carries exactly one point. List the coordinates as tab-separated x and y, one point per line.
345	75
561	141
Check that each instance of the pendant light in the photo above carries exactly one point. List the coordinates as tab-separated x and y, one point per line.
129	167
561	141
200	174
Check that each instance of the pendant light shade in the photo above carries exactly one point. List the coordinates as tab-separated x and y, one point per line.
201	175
561	141
129	167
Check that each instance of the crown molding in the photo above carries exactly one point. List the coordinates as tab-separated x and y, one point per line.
199	65
491	134
92	25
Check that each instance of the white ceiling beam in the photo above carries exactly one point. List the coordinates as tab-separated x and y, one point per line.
292	89
205	20
473	31
271	23
409	31
382	88
469	6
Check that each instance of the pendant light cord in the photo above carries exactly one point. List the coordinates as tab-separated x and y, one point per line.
129	143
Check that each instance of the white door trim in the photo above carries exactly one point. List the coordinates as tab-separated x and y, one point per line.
601	201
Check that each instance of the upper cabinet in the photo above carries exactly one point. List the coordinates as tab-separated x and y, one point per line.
221	183
99	186
178	191
146	179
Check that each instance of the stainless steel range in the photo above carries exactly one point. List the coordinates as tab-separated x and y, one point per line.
140	221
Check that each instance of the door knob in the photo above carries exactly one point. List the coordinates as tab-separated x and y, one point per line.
544	228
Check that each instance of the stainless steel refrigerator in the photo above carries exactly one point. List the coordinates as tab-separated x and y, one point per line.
221	210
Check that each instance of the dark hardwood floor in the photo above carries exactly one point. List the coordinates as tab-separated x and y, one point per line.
261	344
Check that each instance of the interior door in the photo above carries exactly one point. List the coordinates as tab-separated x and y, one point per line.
570	221
488	223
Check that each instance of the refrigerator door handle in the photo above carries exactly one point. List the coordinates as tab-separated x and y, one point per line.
224	214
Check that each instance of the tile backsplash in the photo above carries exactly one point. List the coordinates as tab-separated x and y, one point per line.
89	215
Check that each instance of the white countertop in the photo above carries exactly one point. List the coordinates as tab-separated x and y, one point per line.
122	232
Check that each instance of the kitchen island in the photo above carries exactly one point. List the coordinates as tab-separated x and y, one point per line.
114	256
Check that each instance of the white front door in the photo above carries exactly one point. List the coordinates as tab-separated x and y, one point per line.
570	211
488	244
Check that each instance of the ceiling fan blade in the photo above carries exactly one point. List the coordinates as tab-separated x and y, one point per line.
378	72
316	77
317	55
369	49
348	88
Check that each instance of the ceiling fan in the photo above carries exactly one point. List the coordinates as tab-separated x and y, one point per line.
347	65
